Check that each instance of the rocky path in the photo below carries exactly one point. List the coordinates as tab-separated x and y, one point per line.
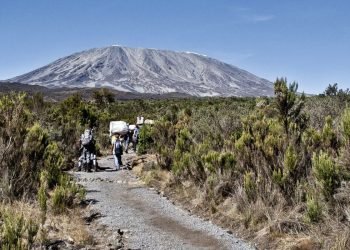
146	219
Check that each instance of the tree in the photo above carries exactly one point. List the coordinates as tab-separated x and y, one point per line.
332	90
103	97
289	104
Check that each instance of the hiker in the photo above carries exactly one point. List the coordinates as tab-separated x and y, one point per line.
135	137
117	151
88	150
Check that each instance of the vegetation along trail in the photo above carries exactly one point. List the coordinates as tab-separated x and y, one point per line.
148	220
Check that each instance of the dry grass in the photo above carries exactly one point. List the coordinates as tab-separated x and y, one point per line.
69	226
28	210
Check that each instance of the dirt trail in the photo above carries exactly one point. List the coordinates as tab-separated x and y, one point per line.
148	220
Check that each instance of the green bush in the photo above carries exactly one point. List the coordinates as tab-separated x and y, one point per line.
145	139
65	193
60	199
289	104
346	123
250	186
42	198
326	173
54	160
25	144
313	209
181	163
17	232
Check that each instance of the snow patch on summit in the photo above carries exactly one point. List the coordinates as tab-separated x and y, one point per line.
195	53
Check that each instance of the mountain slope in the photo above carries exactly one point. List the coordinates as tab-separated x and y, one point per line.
148	71
59	94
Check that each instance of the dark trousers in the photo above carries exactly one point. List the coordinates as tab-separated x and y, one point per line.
117	160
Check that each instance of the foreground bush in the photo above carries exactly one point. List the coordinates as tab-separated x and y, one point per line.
65	193
17	232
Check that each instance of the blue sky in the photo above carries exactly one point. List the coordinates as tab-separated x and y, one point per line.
307	41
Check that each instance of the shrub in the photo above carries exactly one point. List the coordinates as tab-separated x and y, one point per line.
65	193
344	159
182	162
329	137
25	145
212	161
60	199
289	104
36	142
42	199
326	173
227	161
283	177
53	159
34	147
145	140
32	228
313	209
346	123
16	231
249	186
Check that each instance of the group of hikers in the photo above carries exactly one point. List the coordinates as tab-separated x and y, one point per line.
120	144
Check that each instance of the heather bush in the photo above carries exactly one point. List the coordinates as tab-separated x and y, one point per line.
53	160
346	124
21	148
326	172
17	232
249	185
145	139
313	209
65	193
42	198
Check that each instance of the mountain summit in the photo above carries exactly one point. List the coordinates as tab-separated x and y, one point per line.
148	71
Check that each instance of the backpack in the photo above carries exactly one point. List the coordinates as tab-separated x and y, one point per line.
86	138
118	148
135	136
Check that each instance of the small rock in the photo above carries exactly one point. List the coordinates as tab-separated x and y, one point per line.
92	216
119	246
70	241
229	232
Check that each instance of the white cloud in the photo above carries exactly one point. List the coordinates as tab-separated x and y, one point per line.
262	18
247	15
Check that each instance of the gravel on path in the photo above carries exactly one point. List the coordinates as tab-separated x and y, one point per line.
147	219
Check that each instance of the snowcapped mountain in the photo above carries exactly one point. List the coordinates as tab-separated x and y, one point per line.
148	71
